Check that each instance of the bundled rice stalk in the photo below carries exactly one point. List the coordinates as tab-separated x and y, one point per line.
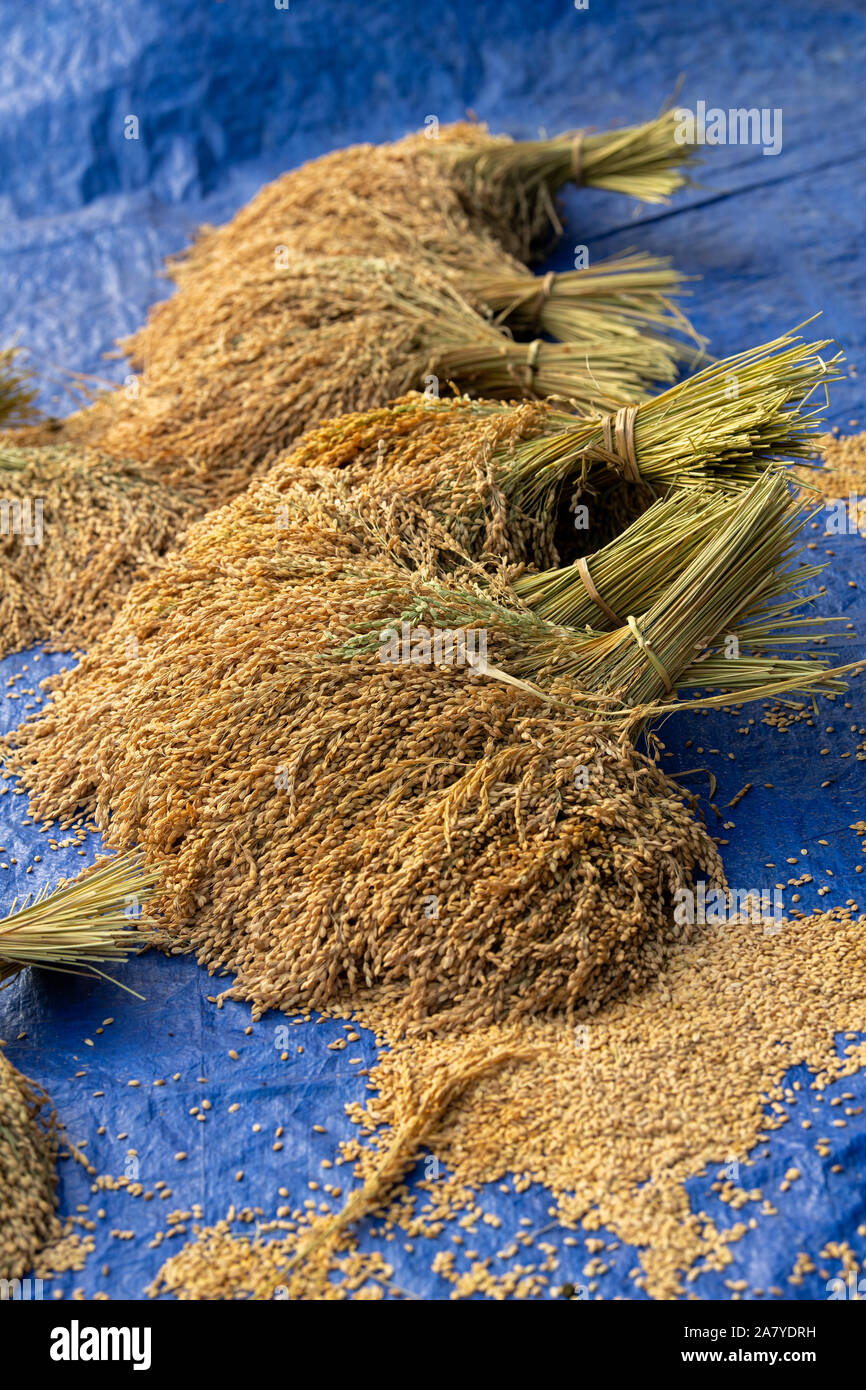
629	296
632	570
240	763
510	186
76	529
737	581
326	335
332	825
425	203
451	195
731	419
82	924
503	477
28	1179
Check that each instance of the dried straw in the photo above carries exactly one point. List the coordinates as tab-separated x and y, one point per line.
736	580
82	923
629	573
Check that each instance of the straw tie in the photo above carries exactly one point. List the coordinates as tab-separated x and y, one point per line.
577	157
618	433
583	570
649	653
532	357
544	292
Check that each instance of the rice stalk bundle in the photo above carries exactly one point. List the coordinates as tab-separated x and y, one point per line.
736	580
76	529
633	569
451	196
510	186
327	335
330	826
418	202
629	296
624	296
504	477
731	418
28	1178
81	924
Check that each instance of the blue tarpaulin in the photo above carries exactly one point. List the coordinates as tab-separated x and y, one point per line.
225	97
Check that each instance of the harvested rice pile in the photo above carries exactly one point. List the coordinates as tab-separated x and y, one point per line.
662	1084
468	853
452	847
305	813
28	1150
76	529
685	1076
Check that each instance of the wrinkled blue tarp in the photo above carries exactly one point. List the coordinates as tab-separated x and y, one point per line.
226	96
